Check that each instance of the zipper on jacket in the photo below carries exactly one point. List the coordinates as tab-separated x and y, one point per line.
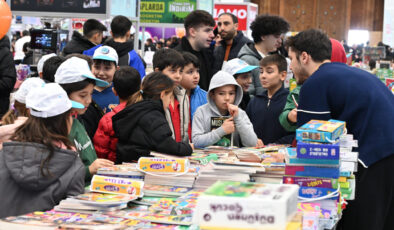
269	101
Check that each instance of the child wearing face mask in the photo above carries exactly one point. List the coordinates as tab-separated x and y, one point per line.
142	126
105	63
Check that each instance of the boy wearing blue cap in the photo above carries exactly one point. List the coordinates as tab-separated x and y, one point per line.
242	73
105	63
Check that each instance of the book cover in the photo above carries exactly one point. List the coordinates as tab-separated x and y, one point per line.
116	185
94	198
320	131
216	122
165	190
292	159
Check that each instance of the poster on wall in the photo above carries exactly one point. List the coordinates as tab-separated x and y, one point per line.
166	11
75	7
245	12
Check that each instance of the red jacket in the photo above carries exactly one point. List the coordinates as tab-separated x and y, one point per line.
104	139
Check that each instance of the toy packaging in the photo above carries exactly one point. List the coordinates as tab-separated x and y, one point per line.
321	131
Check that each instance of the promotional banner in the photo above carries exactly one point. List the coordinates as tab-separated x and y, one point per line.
166	11
240	11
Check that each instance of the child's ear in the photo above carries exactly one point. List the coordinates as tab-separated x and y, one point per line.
283	75
157	69
162	94
117	67
114	91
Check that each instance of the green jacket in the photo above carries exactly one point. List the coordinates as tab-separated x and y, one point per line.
80	138
286	124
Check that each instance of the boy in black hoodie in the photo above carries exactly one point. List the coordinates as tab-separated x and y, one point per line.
264	109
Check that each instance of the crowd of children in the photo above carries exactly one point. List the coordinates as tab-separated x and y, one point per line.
85	112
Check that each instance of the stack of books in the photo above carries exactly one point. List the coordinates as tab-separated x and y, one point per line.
226	170
315	166
246	205
125	170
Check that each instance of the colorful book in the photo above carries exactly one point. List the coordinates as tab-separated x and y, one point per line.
103	199
312	171
165	190
311	181
216	122
315	192
116	185
318	151
292	159
321	131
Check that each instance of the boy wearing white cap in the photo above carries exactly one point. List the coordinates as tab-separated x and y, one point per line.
40	64
77	80
242	73
40	167
105	63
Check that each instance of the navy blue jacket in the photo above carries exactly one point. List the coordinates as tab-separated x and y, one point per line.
264	115
357	97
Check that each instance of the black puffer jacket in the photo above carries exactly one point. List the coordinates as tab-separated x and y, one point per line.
205	56
141	128
220	51
7	74
78	44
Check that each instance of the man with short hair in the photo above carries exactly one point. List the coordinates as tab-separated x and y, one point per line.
19	54
124	46
267	33
232	40
199	26
92	36
337	91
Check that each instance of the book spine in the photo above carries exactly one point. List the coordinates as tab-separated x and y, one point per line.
318	151
315	192
312	171
311	182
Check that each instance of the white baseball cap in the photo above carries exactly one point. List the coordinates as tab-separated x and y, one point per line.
40	64
49	100
26	86
106	53
237	66
75	70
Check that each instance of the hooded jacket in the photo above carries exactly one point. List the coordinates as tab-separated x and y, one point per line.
249	54
205	56
238	42
183	99
24	189
7	74
78	44
141	128
264	115
202	135
104	140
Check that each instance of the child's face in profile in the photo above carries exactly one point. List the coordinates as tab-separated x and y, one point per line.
104	70
174	73
83	96
270	77
190	77
244	80
166	98
222	96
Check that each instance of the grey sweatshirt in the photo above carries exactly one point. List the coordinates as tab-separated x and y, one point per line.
202	135
24	189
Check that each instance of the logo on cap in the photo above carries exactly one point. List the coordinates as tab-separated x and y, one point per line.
105	50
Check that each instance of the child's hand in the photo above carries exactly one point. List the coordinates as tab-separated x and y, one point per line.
228	125
232	109
99	163
259	144
292	115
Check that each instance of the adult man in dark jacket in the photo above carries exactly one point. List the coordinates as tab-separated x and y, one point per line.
7	74
199	35
92	36
232	40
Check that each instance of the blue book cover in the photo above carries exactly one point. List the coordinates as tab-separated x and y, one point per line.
318	151
292	159
312	171
316	192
